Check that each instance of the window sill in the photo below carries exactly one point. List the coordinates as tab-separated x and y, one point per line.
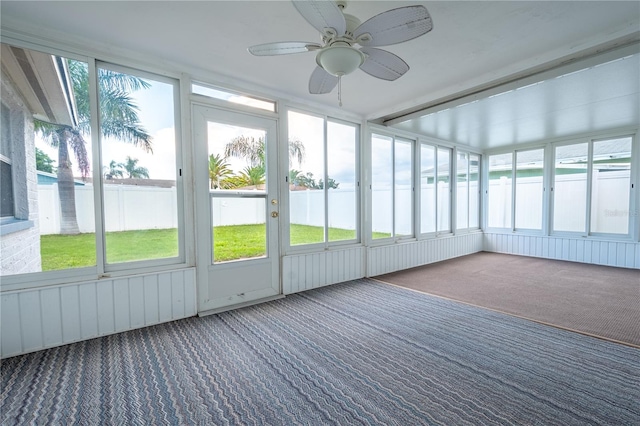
12	225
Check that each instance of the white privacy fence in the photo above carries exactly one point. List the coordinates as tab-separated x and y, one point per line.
127	208
609	200
145	207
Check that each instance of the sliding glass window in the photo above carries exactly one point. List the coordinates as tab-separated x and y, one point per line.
529	189
499	190
87	196
391	187
592	187
323	180
138	141
443	202
467	190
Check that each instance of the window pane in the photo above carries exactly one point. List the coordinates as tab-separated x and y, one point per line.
51	162
499	203
474	191
306	171
235	98
342	182
462	191
427	189
529	189
381	186
139	167
570	188
610	186
236	157
444	190
403	188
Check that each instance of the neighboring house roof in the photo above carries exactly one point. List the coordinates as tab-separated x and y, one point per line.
45	178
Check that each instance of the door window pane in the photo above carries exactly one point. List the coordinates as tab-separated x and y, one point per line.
444	190
427	189
529	189
237	182
139	166
499	191
381	186
403	199
610	186
341	182
462	191
474	191
570	187
306	171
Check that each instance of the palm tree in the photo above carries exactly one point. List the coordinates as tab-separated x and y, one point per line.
115	170
218	171
252	176
246	147
118	119
253	150
133	171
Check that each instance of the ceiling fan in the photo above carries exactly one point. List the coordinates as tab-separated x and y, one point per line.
341	34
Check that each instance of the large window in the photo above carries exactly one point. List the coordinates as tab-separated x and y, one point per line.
467	190
443	215
139	165
596	202
427	189
129	164
529	189
499	190
323	180
570	187
391	187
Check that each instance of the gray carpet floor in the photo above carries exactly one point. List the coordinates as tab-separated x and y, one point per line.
358	353
601	301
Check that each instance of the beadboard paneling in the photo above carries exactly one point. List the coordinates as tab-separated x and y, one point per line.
396	257
36	319
311	270
609	253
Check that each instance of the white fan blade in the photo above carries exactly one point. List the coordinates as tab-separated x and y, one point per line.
383	64
283	48
321	81
394	26
323	15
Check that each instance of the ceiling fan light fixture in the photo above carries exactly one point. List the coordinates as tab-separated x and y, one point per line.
340	59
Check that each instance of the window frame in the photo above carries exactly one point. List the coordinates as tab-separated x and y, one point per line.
44	279
476	212
632	227
326	244
415	143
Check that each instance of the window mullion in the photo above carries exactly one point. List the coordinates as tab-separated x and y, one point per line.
97	170
325	189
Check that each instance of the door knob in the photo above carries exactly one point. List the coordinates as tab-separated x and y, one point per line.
274	214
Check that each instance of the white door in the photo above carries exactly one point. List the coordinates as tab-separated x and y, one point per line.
237	208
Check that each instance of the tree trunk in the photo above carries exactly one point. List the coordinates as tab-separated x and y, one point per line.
66	188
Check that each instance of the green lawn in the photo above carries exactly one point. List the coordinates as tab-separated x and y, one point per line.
230	243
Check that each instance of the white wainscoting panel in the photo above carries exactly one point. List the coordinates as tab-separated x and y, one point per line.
610	253
40	318
396	257
311	270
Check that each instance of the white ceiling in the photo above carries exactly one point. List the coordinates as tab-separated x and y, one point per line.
472	45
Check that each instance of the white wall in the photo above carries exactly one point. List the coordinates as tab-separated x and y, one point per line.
45	317
599	252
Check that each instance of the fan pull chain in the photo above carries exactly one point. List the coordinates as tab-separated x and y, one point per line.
340	90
